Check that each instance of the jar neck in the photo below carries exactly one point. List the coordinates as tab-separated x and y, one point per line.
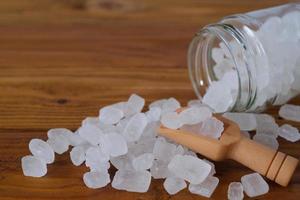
244	49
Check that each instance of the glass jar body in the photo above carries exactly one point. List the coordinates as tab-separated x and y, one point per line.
247	62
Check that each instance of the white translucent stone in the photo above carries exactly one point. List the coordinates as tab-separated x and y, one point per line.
132	181
235	191
289	133
143	161
246	121
171	120
91	133
123	162
254	185
77	155
174	185
135	127
290	112
206	188
170	105
110	115
163	150
267	140
96	179
212	127
213	169
189	168
194	115
33	166
153	114
59	144
41	150
266	125
159	169
95	156
117	145
135	105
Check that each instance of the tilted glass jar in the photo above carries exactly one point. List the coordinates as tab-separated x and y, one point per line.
246	62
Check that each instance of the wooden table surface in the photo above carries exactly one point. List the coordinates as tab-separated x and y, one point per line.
61	60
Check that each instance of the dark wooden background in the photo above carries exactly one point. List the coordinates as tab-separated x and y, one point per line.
61	60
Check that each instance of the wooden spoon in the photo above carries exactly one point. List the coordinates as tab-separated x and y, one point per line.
273	164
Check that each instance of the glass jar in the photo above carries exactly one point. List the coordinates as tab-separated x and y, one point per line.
246	62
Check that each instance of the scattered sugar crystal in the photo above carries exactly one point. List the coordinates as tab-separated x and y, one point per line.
267	140
33	166
206	188
132	181
159	169
95	156
290	112
173	185
163	150
135	105
266	125
195	103
171	120
143	161
153	114
54	132
170	105
289	133
235	191
59	144
194	115
212	127
189	168
76	140
116	143
96	179
41	150
77	155
254	185
246	134
213	169
123	162
135	127
91	133
110	115
246	121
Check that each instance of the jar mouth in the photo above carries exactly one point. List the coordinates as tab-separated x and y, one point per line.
201	64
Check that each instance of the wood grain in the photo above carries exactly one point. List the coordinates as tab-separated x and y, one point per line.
61	60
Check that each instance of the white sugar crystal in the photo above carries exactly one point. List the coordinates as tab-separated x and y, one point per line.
153	114
235	191
33	166
76	140
254	185
159	169
173	185
163	150
171	120
246	121
77	155
91	121
150	130
110	115
158	103
213	169
189	168
217	55
267	140
179	150
290	112
170	105
96	179
143	161
41	150
194	115
206	188
135	127
145	145
132	181
59	144
212	127
54	132
95	156
117	145
289	133
266	125
195	103
91	133
135	105
123	162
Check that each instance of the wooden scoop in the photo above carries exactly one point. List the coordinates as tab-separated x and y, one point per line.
273	164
